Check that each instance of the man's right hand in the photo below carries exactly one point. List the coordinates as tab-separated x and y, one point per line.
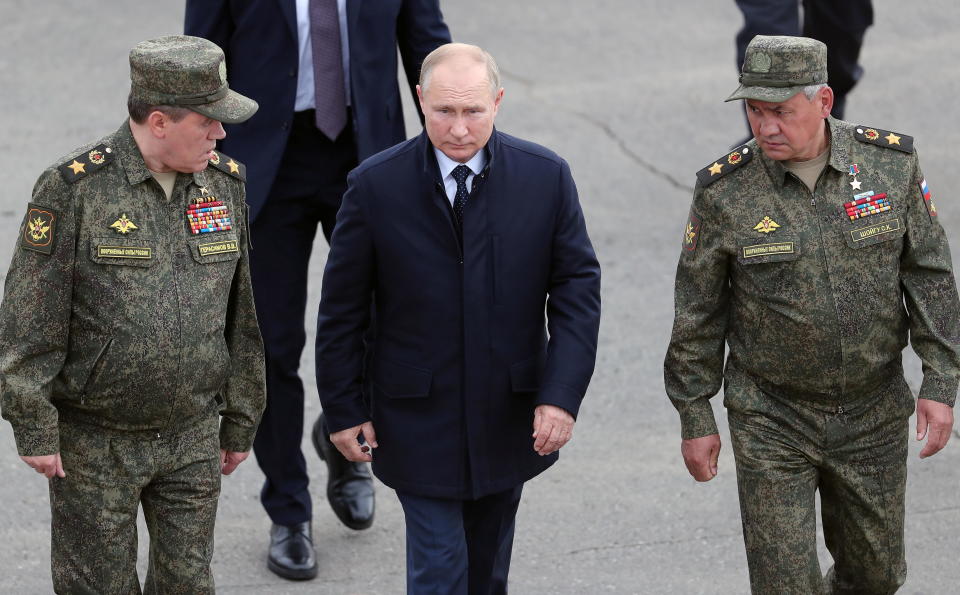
700	455
49	465
346	442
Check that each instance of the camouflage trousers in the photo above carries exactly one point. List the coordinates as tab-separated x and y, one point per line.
854	454
109	474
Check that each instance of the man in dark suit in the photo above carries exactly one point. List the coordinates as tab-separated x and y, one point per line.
461	237
324	73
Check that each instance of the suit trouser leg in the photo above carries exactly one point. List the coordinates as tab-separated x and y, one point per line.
307	191
459	547
842	26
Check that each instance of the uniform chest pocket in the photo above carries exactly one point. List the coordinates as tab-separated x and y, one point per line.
868	233
114	250
219	248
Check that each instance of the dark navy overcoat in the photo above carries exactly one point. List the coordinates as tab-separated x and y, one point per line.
470	335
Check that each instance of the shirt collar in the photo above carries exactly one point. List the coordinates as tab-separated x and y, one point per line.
447	165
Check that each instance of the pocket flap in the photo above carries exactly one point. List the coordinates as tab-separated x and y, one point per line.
525	375
215	249
869	232
402	381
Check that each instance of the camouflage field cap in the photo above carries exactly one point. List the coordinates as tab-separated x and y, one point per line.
777	67
189	72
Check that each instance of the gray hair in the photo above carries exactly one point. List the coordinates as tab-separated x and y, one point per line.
811	90
450	50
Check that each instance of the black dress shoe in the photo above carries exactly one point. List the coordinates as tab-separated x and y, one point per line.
349	484
291	552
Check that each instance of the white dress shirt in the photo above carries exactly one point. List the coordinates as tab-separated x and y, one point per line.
306	94
447	165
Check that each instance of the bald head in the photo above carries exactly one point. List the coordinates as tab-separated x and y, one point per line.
459	57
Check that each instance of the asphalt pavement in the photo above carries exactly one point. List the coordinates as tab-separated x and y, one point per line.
631	93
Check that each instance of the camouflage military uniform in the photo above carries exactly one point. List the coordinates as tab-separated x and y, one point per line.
815	294
124	331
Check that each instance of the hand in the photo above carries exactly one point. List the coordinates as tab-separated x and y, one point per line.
230	460
552	428
934	420
49	465
346	442
700	456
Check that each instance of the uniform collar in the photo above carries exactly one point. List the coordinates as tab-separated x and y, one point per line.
126	149
838	144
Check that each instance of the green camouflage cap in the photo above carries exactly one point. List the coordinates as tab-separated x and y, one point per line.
777	67
190	72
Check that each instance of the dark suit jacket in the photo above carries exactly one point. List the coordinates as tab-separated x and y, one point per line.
259	38
461	355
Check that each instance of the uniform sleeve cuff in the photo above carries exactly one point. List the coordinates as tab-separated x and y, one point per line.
35	442
696	419
942	389
234	437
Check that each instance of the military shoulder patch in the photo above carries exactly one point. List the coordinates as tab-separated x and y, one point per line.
39	227
726	164
884	138
229	165
86	163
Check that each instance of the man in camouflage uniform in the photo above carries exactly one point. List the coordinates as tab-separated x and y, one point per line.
128	325
813	251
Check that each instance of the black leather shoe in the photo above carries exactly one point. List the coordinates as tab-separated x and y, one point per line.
349	484
291	552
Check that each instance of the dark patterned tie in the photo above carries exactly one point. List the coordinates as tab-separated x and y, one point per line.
331	102
460	174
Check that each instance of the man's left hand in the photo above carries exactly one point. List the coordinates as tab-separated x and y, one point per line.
552	428
229	460
935	421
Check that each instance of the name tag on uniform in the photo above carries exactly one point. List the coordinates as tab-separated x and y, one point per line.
865	233
138	252
767	249
217	247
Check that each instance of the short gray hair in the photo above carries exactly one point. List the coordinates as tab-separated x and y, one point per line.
811	90
450	50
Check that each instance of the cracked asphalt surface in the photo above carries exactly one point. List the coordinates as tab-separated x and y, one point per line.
631	93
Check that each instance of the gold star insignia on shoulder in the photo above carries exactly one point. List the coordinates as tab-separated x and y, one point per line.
766	225
230	166
123	225
723	166
204	191
884	138
86	163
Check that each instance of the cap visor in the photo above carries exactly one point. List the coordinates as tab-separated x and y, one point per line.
771	94
232	109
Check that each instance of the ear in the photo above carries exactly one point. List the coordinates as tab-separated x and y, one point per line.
420	100
826	101
157	123
497	99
